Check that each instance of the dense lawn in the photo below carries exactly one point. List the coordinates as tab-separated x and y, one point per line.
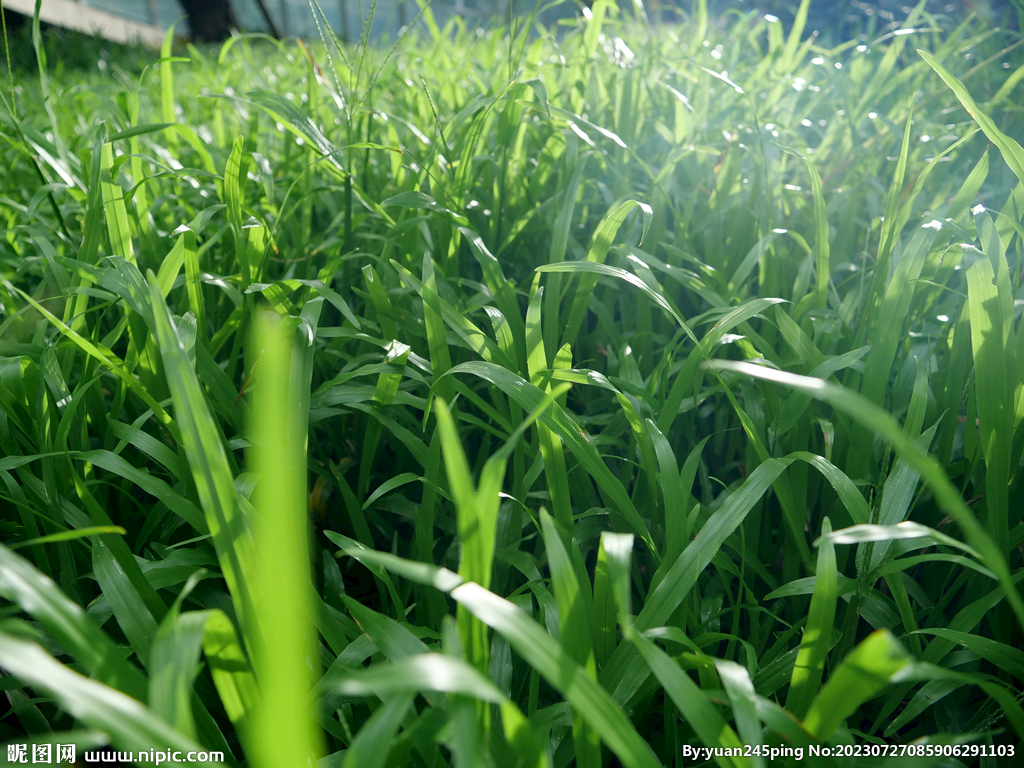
621	388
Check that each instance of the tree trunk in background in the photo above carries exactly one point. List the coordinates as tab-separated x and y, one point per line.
209	20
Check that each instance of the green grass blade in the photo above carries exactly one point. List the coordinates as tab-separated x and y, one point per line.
445	674
603	237
1011	151
372	744
874	418
810	662
574	625
174	664
559	422
131	613
113	206
740	690
553	662
207	459
130	725
68	624
283	639
860	677
230	669
995	400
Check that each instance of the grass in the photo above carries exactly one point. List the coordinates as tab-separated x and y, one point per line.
588	396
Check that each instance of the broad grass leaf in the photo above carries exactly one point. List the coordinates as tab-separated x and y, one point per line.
941	682
131	612
885	338
874	418
204	447
674	495
80	533
740	690
692	702
421	573
130	725
174	665
113	206
373	743
1002	655
394	640
810	662
558	421
859	677
282	634
1011	151
993	360
602	241
67	623
575	622
418	200
177	503
229	667
554	664
442	673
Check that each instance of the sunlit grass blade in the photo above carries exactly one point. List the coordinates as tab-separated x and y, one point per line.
991	364
542	652
810	662
446	674
603	237
207	458
68	624
575	626
859	677
1011	151
283	638
477	515
562	425
874	418
128	722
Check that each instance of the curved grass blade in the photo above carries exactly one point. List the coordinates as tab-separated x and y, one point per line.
442	673
129	724
204	447
810	661
862	674
68	624
874	418
558	421
555	665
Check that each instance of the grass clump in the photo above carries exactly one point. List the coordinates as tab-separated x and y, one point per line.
589	395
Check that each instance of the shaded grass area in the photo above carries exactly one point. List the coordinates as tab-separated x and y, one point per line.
618	391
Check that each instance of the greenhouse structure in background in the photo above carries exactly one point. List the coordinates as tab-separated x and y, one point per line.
146	20
212	20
